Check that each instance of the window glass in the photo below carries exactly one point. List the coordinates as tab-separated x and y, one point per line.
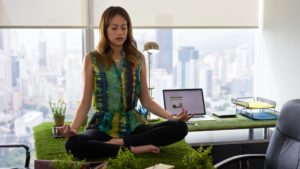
36	65
218	60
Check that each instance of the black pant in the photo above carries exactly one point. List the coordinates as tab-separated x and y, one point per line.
90	144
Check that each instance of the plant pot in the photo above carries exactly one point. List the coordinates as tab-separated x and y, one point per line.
59	121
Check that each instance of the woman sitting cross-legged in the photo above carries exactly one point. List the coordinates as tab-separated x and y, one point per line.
114	79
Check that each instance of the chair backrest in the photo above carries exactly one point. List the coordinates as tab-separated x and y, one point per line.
284	148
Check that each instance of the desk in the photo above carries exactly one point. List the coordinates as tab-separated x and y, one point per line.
223	131
49	148
232	136
239	122
226	137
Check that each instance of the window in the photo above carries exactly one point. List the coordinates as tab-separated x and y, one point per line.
41	64
36	65
218	60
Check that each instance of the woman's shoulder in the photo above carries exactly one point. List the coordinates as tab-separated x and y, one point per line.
140	56
92	56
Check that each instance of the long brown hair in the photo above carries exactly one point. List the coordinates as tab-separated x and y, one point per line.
129	46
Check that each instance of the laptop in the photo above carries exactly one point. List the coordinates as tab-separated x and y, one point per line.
190	99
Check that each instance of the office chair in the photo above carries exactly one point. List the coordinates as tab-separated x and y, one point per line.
27	152
284	147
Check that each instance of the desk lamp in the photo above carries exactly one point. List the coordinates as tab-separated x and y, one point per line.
150	48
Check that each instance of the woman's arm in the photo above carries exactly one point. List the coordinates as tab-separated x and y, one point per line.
85	103
152	106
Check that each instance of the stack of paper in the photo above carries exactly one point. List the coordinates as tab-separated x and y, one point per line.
161	166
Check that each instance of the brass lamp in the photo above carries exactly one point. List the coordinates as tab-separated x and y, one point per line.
150	48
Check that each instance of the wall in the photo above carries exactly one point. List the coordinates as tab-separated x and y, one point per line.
278	64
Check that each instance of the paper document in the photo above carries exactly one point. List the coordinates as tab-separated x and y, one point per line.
161	166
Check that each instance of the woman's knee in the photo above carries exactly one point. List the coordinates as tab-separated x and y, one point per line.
72	145
180	128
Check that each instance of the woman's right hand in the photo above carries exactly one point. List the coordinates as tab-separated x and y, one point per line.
183	116
67	131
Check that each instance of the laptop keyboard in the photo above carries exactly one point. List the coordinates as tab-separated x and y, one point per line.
198	116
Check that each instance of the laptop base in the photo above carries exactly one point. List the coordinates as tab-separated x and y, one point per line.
201	118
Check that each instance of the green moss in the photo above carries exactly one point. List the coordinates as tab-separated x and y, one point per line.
238	122
49	148
198	159
124	160
171	154
66	162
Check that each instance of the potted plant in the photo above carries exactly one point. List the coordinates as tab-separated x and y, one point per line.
198	159
58	110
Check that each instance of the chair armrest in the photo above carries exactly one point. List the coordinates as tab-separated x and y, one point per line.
27	160
239	157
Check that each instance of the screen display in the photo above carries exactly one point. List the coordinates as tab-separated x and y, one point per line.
190	99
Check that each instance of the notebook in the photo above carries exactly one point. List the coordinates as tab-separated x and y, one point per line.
190	99
225	113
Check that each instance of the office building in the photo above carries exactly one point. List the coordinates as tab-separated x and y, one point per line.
15	64
188	76
42	52
164	59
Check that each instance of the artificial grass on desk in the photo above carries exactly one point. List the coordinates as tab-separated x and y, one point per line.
49	148
238	122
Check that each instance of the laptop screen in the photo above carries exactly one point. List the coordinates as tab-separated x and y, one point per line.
190	99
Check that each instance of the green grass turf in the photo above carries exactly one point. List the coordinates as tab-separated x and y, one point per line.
49	148
239	122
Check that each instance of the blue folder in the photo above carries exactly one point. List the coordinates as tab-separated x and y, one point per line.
260	115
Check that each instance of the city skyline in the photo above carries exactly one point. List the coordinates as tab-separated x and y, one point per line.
38	65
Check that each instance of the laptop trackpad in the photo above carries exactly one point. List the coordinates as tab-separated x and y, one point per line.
201	117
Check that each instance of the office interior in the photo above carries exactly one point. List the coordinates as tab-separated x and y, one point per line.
274	53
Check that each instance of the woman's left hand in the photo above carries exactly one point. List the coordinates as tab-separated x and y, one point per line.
183	115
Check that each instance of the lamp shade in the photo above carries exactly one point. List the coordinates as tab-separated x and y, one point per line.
151	47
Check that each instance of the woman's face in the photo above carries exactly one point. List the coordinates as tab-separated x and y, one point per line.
117	31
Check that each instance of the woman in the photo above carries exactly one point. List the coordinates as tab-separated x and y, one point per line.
114	77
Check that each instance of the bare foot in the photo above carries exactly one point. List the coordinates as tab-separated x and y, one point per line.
144	149
117	141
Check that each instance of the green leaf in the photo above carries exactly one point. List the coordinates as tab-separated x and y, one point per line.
66	162
198	159
124	160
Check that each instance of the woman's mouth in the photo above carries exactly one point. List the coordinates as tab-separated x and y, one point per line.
120	39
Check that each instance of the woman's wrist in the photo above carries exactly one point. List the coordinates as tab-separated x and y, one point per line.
72	128
171	117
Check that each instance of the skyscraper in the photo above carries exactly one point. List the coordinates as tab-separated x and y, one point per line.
188	76
164	59
42	52
209	83
15	70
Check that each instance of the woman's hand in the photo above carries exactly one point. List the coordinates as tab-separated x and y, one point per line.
183	116
67	131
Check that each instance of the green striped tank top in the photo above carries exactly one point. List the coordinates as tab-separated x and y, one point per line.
115	96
